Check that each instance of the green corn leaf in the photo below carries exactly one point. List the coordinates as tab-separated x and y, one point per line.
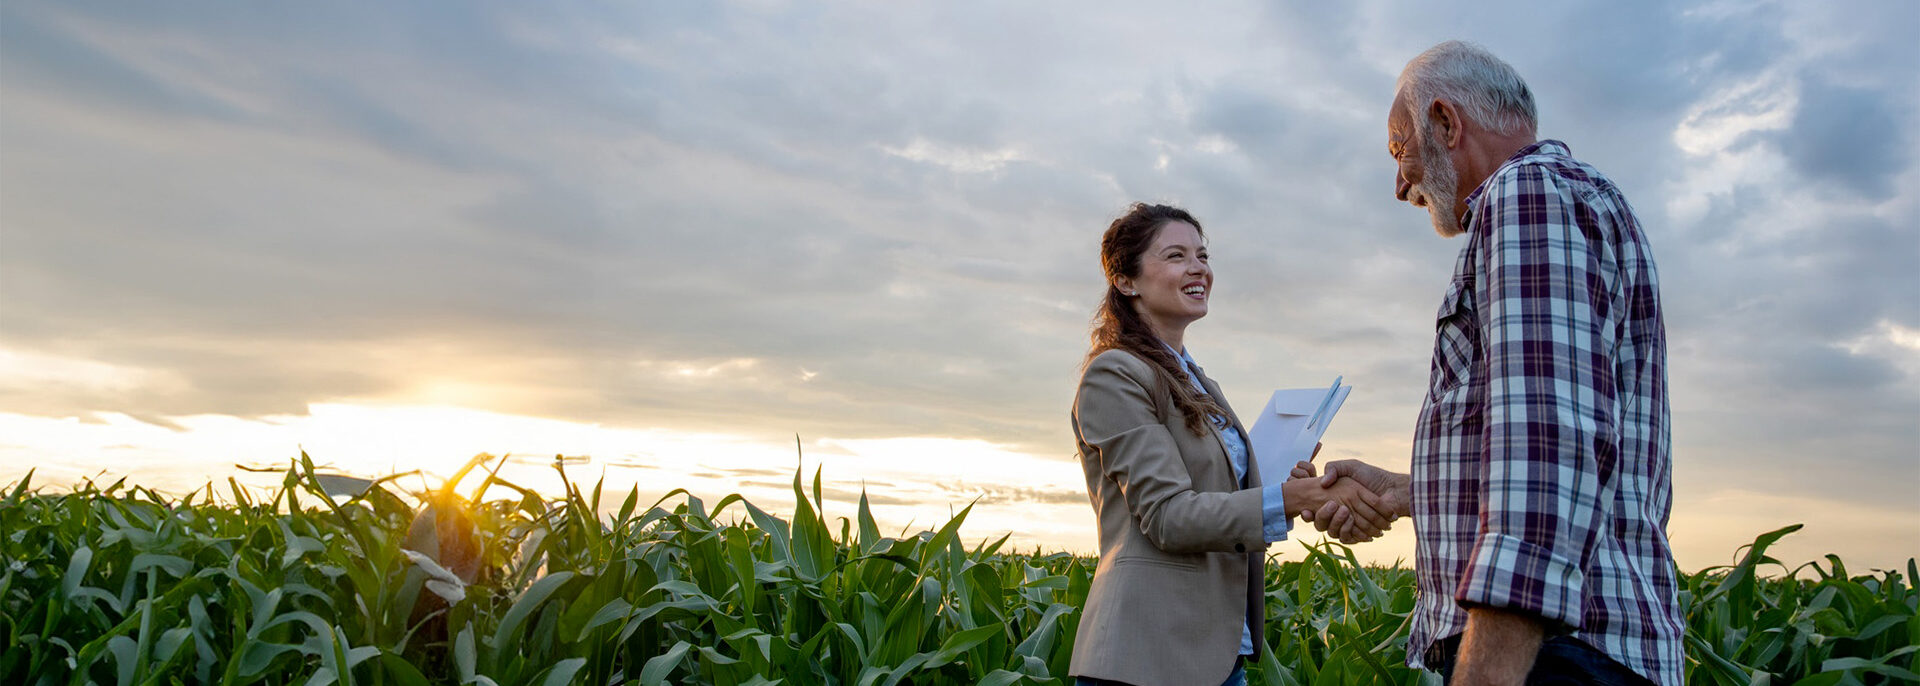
1039	643
170	643
853	637
1877	626
464	657
402	671
561	673
1876	666
524	605
126	658
1722	670
612	611
324	676
256	656
906	667
20	489
869	529
959	643
76	570
173	565
776	532
658	667
1001	677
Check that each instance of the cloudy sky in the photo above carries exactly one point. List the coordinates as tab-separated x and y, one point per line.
675	238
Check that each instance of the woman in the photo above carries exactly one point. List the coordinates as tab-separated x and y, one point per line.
1184	518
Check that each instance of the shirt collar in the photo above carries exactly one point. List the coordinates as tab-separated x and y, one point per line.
1193	368
1544	147
1180	355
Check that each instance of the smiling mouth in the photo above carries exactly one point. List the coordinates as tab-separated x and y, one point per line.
1197	291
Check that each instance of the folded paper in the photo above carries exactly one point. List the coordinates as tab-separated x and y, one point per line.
1282	436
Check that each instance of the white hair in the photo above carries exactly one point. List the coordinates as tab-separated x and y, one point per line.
1485	88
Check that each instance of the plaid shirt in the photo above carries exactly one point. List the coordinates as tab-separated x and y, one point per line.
1541	471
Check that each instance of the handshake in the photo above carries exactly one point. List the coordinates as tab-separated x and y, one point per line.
1354	501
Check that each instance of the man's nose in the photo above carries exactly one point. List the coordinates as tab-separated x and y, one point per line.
1400	185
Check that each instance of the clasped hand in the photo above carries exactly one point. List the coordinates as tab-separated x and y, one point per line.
1355	501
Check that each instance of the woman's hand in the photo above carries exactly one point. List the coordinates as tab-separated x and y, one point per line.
1305	469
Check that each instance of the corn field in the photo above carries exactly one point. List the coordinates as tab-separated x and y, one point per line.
504	586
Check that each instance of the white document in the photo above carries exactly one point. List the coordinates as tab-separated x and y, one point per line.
1281	435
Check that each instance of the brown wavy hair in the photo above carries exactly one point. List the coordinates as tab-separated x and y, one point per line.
1118	326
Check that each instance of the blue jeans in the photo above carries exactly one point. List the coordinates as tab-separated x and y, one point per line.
1237	678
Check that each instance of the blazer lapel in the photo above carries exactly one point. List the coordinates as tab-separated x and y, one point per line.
1213	389
1253	477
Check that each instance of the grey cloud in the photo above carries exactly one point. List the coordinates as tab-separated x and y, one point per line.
1007	494
875	497
1850	137
1249	115
40	52
1824	366
841	494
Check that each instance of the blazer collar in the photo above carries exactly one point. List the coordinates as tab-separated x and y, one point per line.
1213	389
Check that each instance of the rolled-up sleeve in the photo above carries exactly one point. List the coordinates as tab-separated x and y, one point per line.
1550	404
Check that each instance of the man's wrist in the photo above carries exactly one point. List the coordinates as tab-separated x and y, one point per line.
1498	647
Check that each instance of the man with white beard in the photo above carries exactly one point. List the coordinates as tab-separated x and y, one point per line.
1541	481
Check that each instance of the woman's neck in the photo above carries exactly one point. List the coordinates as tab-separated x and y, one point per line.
1173	336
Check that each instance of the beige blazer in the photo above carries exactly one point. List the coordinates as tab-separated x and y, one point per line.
1179	540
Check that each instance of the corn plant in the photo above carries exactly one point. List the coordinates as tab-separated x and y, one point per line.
335	580
1829	629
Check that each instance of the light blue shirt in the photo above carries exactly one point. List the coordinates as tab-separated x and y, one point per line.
1274	523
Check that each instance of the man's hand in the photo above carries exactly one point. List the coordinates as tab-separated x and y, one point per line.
1395	500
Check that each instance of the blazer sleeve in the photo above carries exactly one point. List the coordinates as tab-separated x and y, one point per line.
1114	415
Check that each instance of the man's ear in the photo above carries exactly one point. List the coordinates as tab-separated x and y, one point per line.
1446	122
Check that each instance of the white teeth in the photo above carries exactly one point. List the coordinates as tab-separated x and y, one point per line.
1195	290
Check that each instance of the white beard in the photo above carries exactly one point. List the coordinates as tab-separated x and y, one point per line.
1438	184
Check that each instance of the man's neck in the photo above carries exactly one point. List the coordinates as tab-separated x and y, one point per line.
1484	153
